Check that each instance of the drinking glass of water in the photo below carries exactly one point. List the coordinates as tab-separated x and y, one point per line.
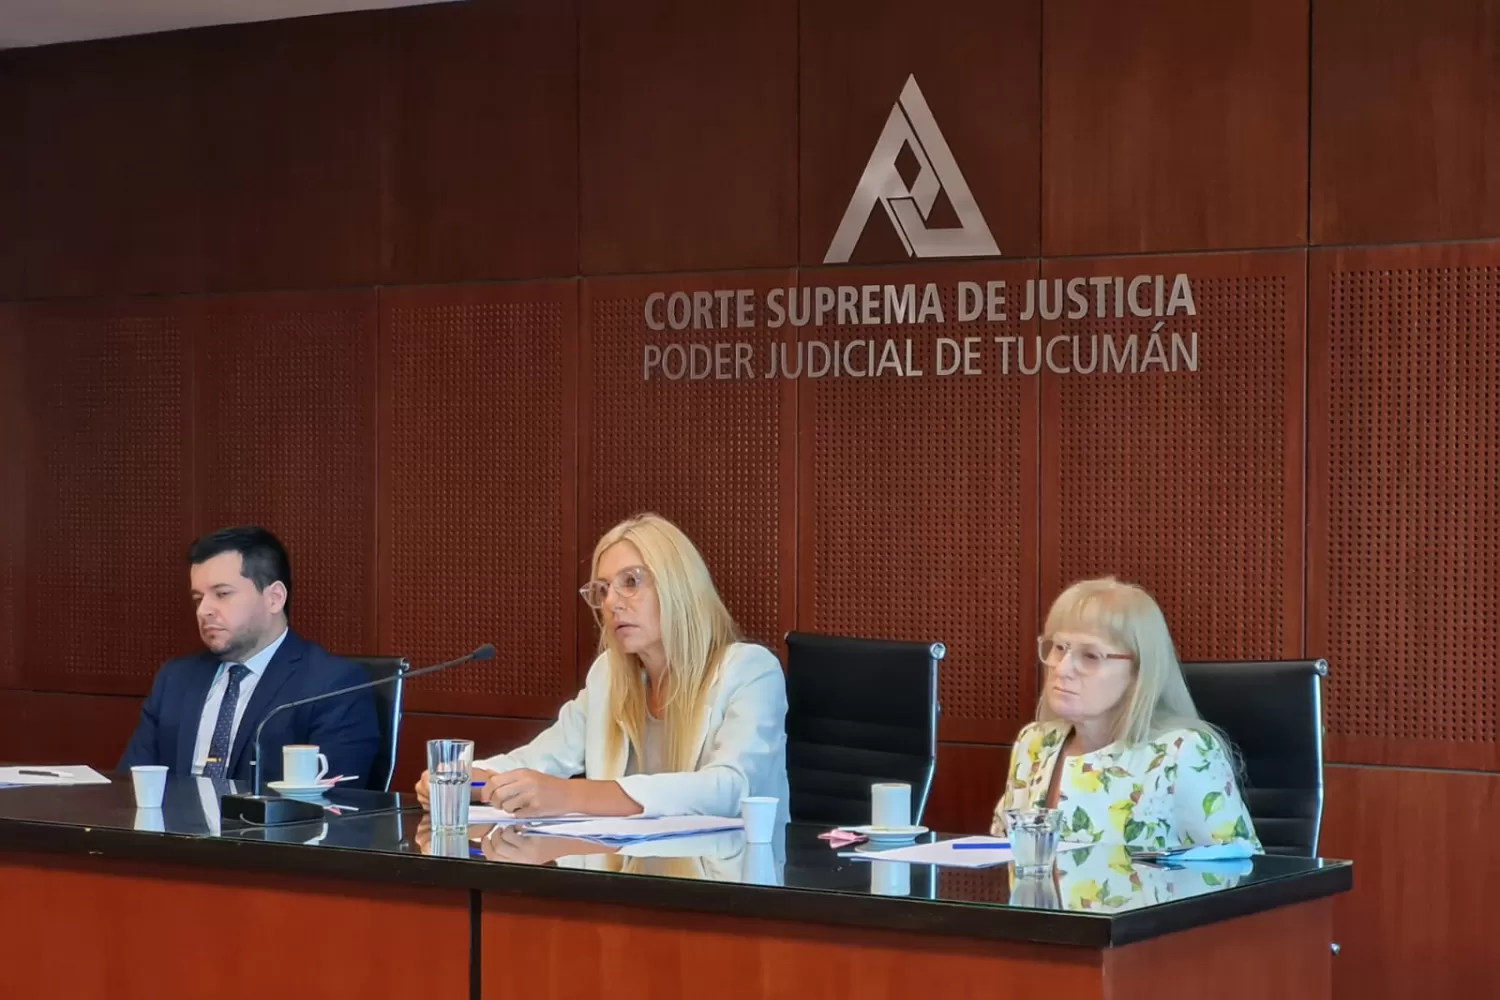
1033	839
449	766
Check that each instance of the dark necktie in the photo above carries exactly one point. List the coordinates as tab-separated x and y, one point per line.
218	747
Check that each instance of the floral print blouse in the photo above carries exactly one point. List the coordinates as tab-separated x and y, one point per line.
1176	790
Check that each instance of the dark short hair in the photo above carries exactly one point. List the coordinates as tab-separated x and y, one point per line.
263	557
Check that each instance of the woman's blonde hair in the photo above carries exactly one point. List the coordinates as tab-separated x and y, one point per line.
696	630
1129	618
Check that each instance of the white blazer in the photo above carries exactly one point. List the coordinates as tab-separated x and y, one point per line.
741	739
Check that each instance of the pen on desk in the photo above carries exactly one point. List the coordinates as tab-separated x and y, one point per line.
985	845
43	774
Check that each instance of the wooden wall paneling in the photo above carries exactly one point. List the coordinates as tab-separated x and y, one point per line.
92	729
966	786
1408	85
111	184
490	736
287	144
480	136
1173	126
917	495
715	457
12	172
108	509
285	438
1404	501
1418	921
477	481
1187	482
13	448
688	135
856	58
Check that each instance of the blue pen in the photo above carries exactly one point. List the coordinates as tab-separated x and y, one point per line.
984	845
477	784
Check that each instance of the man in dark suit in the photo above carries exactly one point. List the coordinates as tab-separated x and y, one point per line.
203	709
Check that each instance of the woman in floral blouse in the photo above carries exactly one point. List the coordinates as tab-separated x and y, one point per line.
1118	746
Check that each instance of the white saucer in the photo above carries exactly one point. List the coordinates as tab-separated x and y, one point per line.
297	791
890	834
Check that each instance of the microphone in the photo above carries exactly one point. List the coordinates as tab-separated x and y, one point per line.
257	810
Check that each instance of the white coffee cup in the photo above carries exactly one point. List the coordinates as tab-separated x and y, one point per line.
759	814
890	805
150	781
302	766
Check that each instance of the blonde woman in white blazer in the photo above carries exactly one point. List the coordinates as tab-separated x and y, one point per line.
677	716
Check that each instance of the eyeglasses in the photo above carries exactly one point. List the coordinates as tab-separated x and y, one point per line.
627	583
1086	658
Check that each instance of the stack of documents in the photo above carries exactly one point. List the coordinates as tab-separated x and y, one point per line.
50	774
635	829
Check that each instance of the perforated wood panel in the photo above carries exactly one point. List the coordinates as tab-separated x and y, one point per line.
12	494
285	438
918	502
1188	483
477	494
107	517
715	457
977	885
1405	493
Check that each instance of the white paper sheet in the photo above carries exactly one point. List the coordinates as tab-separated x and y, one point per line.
628	829
945	853
51	774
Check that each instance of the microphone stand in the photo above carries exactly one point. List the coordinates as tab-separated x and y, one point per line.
258	810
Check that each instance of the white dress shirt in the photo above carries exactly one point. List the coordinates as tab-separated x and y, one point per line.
741	739
256	665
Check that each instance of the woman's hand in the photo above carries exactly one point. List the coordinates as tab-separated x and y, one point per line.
524	792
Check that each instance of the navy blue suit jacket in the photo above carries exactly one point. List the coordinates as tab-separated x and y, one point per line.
345	728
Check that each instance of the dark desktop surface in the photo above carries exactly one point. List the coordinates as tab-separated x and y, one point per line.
1096	897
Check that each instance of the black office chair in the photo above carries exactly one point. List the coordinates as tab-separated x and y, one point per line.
1273	711
859	711
388	707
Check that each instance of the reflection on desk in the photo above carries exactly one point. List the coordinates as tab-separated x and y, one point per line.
1103	879
1096	896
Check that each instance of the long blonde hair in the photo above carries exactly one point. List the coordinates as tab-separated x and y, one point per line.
1127	616
696	630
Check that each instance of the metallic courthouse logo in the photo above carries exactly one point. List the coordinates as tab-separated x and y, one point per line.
911	125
